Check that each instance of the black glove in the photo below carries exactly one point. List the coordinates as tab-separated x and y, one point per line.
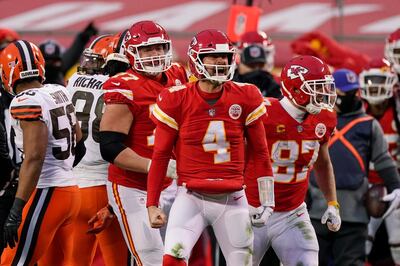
89	32
12	223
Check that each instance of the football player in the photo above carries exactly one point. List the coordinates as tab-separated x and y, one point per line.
262	39
127	134
86	88
298	129
207	122
47	199
377	85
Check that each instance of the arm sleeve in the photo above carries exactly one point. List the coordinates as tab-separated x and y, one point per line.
257	142
383	162
167	109
71	56
26	107
117	91
165	138
256	107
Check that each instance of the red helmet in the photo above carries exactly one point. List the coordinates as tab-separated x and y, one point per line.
7	36
392	50
308	82
146	33
377	81
211	42
261	38
20	60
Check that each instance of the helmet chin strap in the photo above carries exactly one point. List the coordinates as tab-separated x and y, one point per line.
312	109
213	82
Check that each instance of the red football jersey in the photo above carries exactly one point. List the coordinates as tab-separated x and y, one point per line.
139	92
388	125
293	148
210	144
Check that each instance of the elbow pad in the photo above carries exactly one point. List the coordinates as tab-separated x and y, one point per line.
80	151
111	144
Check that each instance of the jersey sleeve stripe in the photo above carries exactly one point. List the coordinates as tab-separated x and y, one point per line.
163	117
126	93
257	113
28	117
17	108
26	110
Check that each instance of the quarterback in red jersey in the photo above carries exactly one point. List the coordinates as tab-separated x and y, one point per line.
207	123
377	84
127	134
298	129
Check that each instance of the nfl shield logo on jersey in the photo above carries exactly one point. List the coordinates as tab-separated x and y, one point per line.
320	130
211	112
235	111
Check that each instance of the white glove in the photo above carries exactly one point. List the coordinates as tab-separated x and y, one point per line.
259	216
331	218
171	170
394	197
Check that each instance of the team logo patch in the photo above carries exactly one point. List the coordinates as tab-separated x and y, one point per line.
295	71
235	111
50	48
255	52
320	130
178	82
351	77
211	112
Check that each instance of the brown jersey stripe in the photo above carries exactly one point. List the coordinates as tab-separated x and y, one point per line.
26	111
15	108
30	117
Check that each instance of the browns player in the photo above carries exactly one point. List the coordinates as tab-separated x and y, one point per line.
86	88
127	134
298	129
207	122
47	199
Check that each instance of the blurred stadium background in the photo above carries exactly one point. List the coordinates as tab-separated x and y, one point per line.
358	24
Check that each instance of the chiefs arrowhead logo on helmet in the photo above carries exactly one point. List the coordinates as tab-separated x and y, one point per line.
294	71
193	42
127	36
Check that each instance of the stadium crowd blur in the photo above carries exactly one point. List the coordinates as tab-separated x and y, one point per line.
370	89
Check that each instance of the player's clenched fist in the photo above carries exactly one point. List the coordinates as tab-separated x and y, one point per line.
157	217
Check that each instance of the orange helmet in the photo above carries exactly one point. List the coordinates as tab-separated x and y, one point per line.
93	58
20	60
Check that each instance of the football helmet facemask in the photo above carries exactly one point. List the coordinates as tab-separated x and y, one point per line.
308	83
142	35
211	42
377	82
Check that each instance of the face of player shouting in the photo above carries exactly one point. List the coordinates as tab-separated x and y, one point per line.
153	56
216	64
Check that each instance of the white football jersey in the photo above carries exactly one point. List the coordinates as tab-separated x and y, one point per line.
51	104
87	97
